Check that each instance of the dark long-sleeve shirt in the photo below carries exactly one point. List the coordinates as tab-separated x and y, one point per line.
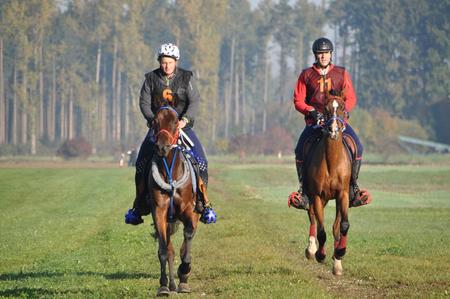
182	84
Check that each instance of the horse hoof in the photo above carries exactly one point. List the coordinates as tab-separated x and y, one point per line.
337	267
309	254
183	288
320	257
163	291
173	287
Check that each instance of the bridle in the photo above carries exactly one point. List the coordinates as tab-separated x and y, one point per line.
172	137
333	123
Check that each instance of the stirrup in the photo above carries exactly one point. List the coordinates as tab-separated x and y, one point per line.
133	218
208	216
298	200
360	198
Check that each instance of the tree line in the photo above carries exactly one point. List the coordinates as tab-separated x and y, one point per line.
75	68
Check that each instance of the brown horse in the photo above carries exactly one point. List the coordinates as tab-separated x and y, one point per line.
172	201
328	174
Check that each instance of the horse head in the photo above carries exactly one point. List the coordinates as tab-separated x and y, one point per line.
165	126
335	115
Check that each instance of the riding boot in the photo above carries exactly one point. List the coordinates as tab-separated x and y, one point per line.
299	199
355	192
202	203
202	200
300	177
140	206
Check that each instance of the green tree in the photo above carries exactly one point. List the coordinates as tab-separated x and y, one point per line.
202	37
284	34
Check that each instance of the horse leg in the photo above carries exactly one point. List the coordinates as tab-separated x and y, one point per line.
311	250
321	235
340	231
185	252
161	229
170	258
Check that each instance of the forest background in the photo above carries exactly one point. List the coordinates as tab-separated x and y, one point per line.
72	70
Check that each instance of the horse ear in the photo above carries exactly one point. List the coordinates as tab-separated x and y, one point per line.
175	99
337	93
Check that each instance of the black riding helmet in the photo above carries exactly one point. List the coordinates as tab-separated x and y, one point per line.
321	45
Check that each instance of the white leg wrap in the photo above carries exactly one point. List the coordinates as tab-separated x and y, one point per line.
337	267
311	249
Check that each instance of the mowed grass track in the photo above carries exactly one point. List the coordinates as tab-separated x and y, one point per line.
62	235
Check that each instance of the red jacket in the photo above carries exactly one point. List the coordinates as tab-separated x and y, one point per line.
309	93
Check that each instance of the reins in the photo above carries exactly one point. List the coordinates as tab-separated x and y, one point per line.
173	137
169	176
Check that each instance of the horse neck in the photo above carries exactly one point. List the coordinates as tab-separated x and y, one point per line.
333	149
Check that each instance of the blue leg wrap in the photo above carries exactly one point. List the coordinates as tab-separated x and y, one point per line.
208	216
133	218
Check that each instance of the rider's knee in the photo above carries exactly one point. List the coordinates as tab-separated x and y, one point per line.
203	165
360	150
140	168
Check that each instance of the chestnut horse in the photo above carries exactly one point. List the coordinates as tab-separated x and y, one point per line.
172	200
327	177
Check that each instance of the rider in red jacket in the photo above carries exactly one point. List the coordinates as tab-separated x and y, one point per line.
309	92
309	99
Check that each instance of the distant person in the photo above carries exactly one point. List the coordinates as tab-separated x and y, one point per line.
309	99
132	157
167	79
121	161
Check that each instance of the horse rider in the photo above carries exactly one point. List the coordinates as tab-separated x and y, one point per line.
177	86
313	85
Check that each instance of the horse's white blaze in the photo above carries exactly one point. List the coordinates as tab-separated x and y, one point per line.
337	267
334	124
334	129
335	105
312	248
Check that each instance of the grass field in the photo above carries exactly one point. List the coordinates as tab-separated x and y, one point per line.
62	235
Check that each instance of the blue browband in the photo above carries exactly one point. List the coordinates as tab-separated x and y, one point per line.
338	119
169	108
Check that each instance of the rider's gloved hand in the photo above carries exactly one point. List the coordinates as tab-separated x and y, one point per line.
150	122
317	116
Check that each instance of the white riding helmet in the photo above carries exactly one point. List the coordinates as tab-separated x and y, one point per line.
169	50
